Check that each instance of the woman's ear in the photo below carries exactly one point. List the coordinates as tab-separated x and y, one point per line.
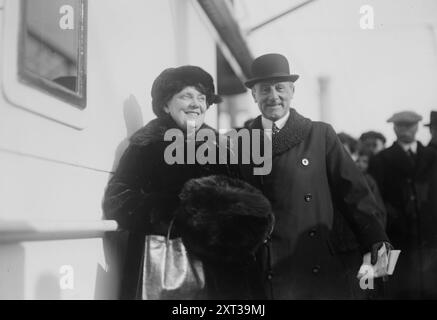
166	109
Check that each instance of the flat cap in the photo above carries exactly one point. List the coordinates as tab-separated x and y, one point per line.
405	117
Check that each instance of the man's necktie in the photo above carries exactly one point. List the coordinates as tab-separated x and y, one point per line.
275	130
412	157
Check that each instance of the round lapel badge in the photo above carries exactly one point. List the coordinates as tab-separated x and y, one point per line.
305	162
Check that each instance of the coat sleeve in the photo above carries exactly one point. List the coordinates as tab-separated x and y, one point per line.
129	198
376	171
375	191
351	194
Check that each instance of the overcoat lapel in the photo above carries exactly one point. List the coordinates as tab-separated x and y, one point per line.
294	132
400	160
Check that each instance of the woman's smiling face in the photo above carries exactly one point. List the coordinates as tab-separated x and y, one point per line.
188	106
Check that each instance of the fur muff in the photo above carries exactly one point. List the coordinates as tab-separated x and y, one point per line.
223	219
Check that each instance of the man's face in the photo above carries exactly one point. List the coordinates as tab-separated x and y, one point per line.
406	132
273	98
373	144
363	162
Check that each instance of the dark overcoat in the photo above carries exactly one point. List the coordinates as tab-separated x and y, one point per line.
408	188
312	177
142	196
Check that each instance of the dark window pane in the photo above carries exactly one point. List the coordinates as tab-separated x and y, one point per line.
53	47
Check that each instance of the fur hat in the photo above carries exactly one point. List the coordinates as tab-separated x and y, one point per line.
173	80
223	219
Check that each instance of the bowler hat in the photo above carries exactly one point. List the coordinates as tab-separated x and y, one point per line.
270	66
405	117
433	118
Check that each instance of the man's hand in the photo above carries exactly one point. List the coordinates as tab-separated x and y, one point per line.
375	249
376	263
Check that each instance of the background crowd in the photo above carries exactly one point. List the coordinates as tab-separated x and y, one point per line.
403	179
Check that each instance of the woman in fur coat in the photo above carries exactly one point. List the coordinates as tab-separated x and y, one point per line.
143	194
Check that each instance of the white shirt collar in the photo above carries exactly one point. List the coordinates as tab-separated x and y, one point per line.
406	146
267	124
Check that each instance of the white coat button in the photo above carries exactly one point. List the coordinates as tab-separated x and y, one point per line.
316	269
305	162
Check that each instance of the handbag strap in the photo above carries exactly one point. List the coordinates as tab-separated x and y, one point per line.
170	227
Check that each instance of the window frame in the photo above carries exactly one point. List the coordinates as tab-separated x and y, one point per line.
76	99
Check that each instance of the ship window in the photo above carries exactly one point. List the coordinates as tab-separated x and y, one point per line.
53	48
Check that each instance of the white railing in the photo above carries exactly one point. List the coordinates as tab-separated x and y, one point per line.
18	231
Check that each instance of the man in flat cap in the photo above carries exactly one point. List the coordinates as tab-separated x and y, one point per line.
433	130
312	176
406	176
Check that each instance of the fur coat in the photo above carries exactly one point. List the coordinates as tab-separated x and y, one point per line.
143	196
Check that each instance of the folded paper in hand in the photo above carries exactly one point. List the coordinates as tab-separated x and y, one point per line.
384	266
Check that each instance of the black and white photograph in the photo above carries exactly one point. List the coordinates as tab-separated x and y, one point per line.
218	150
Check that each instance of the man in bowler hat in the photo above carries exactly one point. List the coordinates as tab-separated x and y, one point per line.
433	130
312	176
406	174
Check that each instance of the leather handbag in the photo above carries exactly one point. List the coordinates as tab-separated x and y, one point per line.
170	272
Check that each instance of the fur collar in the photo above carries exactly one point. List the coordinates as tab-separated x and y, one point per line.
154	131
296	129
